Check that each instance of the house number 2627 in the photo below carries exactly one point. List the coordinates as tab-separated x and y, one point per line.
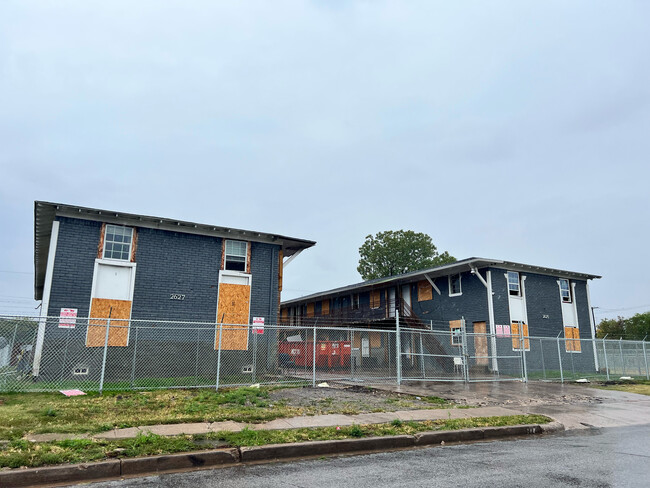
176	296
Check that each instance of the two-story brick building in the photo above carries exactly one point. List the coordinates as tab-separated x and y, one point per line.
495	297
98	263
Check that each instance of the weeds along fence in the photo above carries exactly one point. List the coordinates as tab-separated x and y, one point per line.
90	354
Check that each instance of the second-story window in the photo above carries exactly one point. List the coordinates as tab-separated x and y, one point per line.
454	285
565	290
236	252
117	242
514	287
355	301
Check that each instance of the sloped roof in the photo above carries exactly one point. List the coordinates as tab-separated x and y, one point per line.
45	213
444	270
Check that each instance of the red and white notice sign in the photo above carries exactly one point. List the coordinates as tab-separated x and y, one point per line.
68	318
258	325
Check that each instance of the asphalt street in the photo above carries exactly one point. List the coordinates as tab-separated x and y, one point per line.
606	457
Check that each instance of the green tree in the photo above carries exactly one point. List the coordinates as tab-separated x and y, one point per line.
391	253
633	328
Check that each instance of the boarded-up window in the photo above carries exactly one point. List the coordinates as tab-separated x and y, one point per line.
515	336
118	333
233	308
375	299
285	314
325	308
572	336
375	339
425	291
310	310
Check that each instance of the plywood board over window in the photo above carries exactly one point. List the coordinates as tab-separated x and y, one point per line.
425	291
325	310
375	299
515	336
572	339
118	333
310	309
233	308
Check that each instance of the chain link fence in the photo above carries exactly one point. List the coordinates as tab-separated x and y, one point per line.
51	354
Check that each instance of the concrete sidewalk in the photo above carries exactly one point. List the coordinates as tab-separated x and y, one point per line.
288	423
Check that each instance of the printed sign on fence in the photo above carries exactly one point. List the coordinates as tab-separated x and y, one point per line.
499	330
68	318
506	330
258	325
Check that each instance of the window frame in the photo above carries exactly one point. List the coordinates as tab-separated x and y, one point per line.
355	302
106	242
226	254
456	336
564	299
511	292
460	285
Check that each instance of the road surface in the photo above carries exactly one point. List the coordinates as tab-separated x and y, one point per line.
587	458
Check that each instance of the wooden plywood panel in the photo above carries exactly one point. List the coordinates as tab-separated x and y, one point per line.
375	299
134	244
480	344
572	336
120	313
233	308
100	246
285	314
356	340
325	307
576	343
310	310
375	339
515	335
425	291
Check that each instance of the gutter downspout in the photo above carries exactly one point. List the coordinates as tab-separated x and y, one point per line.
490	301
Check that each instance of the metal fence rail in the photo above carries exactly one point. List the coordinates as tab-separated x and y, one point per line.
50	354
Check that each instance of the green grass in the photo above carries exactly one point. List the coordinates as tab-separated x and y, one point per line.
641	387
21	453
33	413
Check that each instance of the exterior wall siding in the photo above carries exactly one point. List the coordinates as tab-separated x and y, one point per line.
166	262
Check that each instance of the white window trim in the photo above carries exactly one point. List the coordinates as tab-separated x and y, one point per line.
460	284
518	283
113	262
458	335
116	260
225	255
559	282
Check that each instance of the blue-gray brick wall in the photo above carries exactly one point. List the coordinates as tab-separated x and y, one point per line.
166	262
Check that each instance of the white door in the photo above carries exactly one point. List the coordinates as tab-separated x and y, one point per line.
406	296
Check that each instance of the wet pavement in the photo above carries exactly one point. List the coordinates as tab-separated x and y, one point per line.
575	406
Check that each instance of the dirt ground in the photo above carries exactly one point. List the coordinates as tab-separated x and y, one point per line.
354	399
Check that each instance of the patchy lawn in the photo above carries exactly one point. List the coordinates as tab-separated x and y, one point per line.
37	413
20	453
641	387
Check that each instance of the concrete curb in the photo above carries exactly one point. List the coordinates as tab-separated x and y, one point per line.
269	453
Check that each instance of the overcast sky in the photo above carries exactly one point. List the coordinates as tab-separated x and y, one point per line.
508	130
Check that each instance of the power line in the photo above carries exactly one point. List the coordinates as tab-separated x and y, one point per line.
15	272
608	310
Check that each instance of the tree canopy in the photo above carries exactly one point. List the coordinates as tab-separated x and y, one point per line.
632	328
391	253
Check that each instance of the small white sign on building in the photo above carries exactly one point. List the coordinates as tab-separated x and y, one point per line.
68	318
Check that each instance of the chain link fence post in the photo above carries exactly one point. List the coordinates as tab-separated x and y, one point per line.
313	359
605	354
135	352
541	349
398	348
219	355
645	359
101	378
559	357
465	350
523	353
620	348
